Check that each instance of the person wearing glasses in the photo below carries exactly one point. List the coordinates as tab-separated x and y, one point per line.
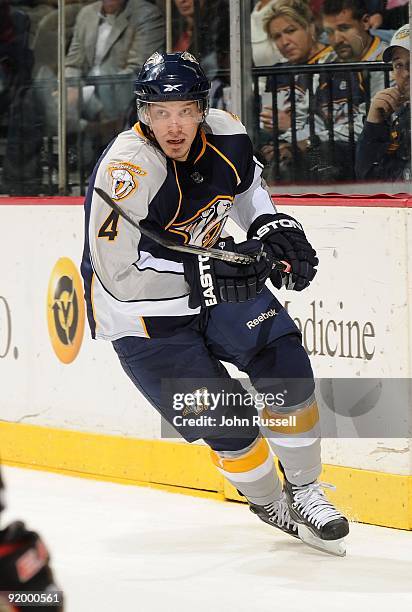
384	147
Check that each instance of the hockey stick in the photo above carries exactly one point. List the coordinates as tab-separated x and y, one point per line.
229	256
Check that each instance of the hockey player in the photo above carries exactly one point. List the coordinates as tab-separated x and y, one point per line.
173	317
24	566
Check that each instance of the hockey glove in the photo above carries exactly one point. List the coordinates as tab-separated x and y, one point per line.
24	566
288	242
213	281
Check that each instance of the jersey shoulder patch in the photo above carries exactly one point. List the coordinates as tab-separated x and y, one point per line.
223	123
123	178
131	161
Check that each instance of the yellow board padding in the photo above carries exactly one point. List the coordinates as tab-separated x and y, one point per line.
366	496
363	496
115	458
255	457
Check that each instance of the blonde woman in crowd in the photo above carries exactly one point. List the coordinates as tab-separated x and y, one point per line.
291	26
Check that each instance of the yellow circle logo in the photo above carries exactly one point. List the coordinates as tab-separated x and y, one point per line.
65	310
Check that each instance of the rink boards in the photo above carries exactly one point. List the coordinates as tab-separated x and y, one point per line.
66	405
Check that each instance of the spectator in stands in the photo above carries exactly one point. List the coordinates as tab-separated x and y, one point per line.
20	165
112	37
375	10
384	151
16	60
342	97
264	50
202	28
290	25
35	10
395	14
347	26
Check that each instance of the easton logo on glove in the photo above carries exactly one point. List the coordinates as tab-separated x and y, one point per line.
206	280
213	281
286	238
276	224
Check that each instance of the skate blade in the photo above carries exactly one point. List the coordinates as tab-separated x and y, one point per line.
331	547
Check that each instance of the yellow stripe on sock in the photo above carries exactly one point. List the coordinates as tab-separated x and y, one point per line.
255	457
306	419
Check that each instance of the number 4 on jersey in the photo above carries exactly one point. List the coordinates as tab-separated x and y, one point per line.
109	228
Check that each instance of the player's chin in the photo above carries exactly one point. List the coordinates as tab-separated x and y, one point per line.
178	152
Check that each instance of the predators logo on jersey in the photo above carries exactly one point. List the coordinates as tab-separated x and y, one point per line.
204	228
123	179
196	402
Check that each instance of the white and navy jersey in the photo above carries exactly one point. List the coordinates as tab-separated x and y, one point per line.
345	89
134	286
281	84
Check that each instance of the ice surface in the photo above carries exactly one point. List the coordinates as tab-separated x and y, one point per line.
118	547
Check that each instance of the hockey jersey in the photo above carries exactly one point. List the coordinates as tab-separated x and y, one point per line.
281	86
134	286
345	95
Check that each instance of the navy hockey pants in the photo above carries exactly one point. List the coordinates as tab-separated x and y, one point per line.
258	337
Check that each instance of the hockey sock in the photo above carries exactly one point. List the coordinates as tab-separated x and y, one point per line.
297	442
251	470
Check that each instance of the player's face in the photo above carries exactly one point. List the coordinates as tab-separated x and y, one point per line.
175	125
348	36
293	41
401	71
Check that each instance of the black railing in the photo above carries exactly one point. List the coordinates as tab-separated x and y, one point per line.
327	105
28	132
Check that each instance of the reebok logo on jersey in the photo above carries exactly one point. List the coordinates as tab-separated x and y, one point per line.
206	280
286	223
262	317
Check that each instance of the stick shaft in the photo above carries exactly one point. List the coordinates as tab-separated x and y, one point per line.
229	256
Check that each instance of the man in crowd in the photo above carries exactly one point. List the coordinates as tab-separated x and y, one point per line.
347	26
341	98
111	38
384	147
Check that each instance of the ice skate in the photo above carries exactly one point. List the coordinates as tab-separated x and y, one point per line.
320	524
276	514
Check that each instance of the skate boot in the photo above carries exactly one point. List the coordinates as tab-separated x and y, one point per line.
276	514
320	524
